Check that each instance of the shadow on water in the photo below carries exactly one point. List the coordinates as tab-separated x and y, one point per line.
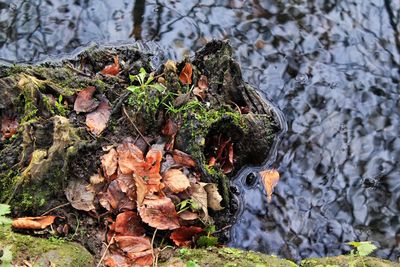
331	66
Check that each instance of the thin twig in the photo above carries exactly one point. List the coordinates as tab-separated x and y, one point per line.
59	206
152	248
134	125
105	252
78	71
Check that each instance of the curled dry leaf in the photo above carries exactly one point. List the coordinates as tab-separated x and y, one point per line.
9	127
80	195
186	74
183	159
141	189
109	162
170	128
33	223
138	249
130	158
159	212
170	66
97	120
115	199
176	180
112	69
203	82
199	198
270	179
183	237
213	197
84	101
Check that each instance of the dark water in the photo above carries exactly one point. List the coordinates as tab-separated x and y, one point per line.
331	66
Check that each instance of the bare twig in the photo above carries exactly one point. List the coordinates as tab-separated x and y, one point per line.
105	252
134	125
59	206
152	249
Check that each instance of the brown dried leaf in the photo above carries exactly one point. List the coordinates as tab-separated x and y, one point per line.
117	260
97	120
188	215
159	212
115	199
96	179
80	195
203	83
176	180
213	197
9	127
170	128
183	159
128	223
112	69
33	223
138	249
270	179
84	101
183	237
170	66
109	162
186	74
141	189
130	158
199	197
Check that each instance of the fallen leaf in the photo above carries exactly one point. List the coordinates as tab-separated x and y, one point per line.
117	260
170	66
33	223
228	163
130	158
80	195
115	199
183	237
138	249
183	159
84	101
170	128
203	82
141	189
9	127
159	212
97	120
176	180
109	162
128	223
270	179
213	197
96	179
188	215
199	198
112	69
186	74
199	93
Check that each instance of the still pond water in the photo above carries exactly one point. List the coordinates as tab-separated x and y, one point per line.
330	66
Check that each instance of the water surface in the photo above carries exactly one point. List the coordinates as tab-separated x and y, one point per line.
331	67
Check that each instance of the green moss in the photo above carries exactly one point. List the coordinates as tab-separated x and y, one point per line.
44	252
227	257
347	261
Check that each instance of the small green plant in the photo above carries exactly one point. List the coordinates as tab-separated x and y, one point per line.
361	250
187	204
145	93
60	106
208	240
5	210
6	257
192	263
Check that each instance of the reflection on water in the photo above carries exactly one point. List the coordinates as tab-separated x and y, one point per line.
331	66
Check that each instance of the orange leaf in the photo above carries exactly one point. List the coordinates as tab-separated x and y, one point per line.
130	157
186	74
176	180
270	179
183	237
137	248
9	127
85	102
112	69
183	159
33	223
109	162
97	120
159	212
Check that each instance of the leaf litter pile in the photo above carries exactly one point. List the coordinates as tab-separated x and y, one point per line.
148	192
